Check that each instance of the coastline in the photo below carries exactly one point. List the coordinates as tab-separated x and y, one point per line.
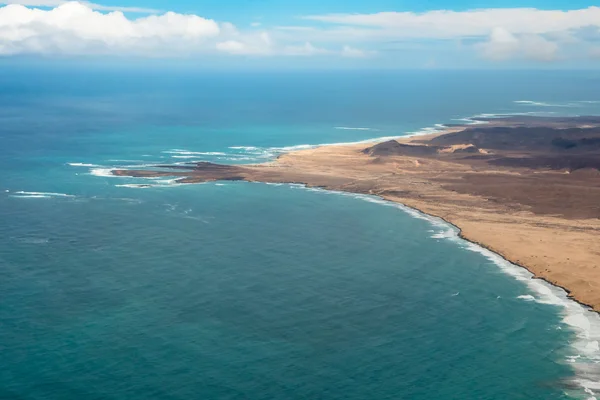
539	237
582	318
489	204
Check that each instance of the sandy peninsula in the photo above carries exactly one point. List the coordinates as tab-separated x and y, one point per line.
525	188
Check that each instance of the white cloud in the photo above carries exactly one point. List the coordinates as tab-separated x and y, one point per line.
443	24
307	49
348	51
503	45
499	34
245	44
93	6
232	47
74	28
80	28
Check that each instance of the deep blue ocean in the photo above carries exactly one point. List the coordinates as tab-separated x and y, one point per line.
126	289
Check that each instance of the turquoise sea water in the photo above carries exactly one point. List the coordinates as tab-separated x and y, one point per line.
253	291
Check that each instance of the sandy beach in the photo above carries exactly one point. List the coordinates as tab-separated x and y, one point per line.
536	203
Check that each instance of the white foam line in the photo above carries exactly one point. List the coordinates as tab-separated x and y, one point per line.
184	157
135	186
526	297
83	165
194	153
543	104
157	182
103	172
583	322
244	148
40	194
271	151
137	165
350	128
107	172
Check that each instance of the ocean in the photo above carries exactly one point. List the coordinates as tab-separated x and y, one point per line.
127	288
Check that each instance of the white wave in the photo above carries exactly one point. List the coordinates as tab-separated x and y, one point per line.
543	104
40	195
49	194
295	148
583	322
237	158
135	185
194	153
531	103
480	119
473	121
156	182
244	148
137	166
447	234
526	297
31	196
212	153
269	152
184	157
83	165
350	128
104	172
172	181
438	128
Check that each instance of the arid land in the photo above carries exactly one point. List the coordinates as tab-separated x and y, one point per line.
526	188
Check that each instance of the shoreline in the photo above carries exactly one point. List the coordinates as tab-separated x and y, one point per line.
476	197
542	222
587	372
460	235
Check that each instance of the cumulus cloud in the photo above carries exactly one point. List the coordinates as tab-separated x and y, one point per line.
93	6
503	45
74	28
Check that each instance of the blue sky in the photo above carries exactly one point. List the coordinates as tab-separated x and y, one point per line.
309	33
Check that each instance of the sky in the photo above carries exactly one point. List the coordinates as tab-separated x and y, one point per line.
426	34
